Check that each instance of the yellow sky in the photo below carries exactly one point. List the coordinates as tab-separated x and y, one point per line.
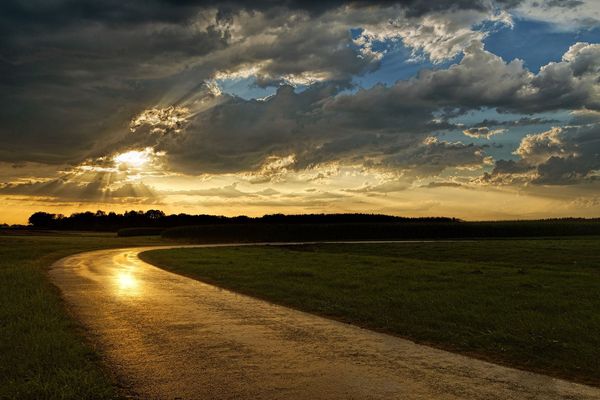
460	202
140	180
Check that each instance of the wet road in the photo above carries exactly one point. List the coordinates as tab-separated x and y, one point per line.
170	337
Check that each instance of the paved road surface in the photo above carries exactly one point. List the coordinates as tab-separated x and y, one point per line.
171	337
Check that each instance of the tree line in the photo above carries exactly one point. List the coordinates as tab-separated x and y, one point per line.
111	221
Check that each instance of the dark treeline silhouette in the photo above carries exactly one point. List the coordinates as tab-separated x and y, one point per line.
405	230
305	227
103	221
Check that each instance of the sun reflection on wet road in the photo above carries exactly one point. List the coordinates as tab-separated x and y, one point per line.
127	282
169	336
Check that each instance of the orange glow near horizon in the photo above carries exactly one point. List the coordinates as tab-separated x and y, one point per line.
464	203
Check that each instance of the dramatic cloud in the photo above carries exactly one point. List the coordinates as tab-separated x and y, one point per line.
540	147
558	156
323	124
95	191
439	37
102	65
482	132
434	156
269	102
523	121
564	14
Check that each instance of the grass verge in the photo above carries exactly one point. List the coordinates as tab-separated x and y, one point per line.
43	354
533	304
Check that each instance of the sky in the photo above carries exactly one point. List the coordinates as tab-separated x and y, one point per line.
475	109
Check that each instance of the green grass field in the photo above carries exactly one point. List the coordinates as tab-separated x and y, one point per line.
534	304
43	353
529	303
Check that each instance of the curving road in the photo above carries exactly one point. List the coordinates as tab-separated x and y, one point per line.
171	337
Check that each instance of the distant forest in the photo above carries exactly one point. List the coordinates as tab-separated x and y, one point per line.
103	221
304	227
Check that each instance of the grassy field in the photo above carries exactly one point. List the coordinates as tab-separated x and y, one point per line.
43	354
534	304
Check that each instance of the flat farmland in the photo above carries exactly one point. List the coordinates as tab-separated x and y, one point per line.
532	304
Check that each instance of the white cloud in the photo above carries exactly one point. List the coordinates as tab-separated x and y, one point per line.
559	156
438	36
537	148
562	14
482	132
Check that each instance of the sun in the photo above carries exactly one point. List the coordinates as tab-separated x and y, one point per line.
133	158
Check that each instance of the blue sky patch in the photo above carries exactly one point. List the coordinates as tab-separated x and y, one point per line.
536	43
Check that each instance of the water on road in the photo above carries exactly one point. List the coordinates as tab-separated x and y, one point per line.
166	337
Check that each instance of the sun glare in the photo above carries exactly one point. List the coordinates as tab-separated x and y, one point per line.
127	284
126	281
133	158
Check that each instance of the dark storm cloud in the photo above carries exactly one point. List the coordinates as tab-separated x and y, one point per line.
68	82
74	73
577	159
433	185
49	13
323	124
511	167
433	156
482	79
482	132
558	156
523	121
584	117
238	135
560	3
65	189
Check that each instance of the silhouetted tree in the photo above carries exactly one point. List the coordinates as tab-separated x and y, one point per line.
42	219
313	226
154	214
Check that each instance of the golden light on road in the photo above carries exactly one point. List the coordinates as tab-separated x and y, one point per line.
127	284
127	281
